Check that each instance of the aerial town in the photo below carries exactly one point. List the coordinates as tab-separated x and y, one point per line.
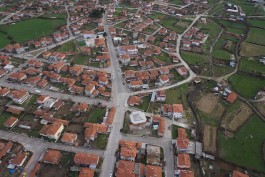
132	88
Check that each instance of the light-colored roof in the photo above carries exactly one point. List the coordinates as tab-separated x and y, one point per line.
137	117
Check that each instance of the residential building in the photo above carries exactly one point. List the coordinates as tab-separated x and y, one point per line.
52	156
19	96
183	161
88	160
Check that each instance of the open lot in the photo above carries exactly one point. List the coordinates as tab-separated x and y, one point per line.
255	35
251	66
260	23
209	139
210	109
32	29
236	115
244	148
52	171
67	47
207	103
251	50
245	85
194	58
95	115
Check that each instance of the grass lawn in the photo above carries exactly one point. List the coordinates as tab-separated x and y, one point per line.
177	95
145	103
251	66
165	57
3	117
246	86
100	142
67	47
245	148
32	29
96	115
193	58
4	40
255	35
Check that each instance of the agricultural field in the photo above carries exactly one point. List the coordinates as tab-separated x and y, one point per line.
209	139
194	58
235	116
246	86
255	35
222	70
244	148
251	50
210	109
260	23
32	29
251	66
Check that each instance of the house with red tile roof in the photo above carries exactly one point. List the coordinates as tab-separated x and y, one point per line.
183	161
231	98
239	174
92	130
19	159
175	110
19	96
86	172
11	122
69	138
52	156
88	160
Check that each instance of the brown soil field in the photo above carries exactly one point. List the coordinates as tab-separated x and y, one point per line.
209	139
233	120
207	103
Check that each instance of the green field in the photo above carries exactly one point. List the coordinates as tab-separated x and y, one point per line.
177	95
4	40
145	104
67	47
32	29
193	58
229	24
256	23
96	115
245	148
251	50
236	30
251	66
246	86
255	35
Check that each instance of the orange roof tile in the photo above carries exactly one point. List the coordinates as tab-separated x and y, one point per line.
52	156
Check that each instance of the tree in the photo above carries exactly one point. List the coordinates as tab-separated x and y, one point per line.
97	13
105	34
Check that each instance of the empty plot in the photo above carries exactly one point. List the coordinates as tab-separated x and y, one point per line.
209	139
207	103
233	119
